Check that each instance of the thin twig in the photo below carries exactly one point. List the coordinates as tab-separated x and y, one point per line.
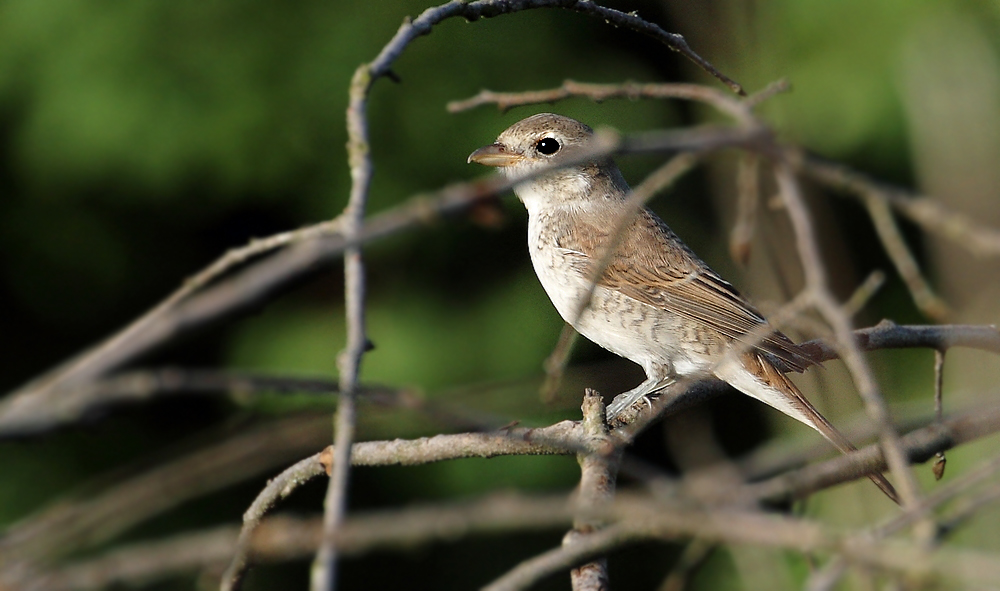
115	350
282	538
324	570
895	246
602	92
941	461
816	282
563	438
694	556
917	446
826	578
276	490
78	524
928	213
863	293
748	198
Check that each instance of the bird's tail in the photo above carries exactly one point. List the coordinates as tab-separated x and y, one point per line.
757	377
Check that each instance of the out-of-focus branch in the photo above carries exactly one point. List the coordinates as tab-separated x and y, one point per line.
71	525
917	446
747	202
895	246
282	538
826	578
822	298
743	527
695	554
926	212
94	361
74	403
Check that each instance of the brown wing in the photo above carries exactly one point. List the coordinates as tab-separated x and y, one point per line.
673	278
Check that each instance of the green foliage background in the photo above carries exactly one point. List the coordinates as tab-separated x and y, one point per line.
139	140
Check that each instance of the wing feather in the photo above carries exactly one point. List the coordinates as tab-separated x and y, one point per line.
673	278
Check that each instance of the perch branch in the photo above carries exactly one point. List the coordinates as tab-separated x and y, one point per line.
598	473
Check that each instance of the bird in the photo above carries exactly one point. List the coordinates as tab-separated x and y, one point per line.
654	302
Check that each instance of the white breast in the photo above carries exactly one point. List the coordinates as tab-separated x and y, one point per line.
639	332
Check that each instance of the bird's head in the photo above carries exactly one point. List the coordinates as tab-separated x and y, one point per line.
546	140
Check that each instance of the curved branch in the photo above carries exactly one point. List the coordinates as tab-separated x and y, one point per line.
564	438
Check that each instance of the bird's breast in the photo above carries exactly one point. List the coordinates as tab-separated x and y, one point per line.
627	327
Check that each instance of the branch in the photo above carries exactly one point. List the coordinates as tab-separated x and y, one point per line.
598	474
283	538
928	213
822	298
562	438
917	447
504	101
76	524
76	402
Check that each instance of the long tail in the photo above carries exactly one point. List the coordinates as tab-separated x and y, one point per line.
782	394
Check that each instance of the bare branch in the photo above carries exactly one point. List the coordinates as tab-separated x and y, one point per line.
276	490
863	293
917	446
324	568
601	92
562	438
282	538
928	213
748	198
74	403
816	283
74	524
895	246
598	474
889	335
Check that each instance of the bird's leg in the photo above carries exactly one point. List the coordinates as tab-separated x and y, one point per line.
655	381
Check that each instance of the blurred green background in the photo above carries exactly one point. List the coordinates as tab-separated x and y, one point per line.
140	140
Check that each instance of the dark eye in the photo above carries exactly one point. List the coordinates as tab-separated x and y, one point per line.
547	146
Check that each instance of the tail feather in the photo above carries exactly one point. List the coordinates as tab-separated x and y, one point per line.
794	404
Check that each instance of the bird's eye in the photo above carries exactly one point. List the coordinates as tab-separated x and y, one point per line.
547	146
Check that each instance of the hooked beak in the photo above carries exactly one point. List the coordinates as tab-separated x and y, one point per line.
495	155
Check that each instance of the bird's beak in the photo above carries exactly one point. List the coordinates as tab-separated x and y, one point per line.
495	155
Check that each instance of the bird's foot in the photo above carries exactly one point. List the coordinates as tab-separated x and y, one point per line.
641	394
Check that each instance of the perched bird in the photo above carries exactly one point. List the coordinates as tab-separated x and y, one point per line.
655	303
